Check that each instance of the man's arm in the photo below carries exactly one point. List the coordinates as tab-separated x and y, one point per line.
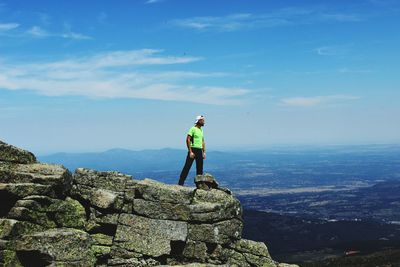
204	149
188	141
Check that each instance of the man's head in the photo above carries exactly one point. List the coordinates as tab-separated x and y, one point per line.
200	120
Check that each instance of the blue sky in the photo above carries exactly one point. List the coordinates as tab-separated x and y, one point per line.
94	75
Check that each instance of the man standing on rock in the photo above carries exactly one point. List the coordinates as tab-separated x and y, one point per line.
196	149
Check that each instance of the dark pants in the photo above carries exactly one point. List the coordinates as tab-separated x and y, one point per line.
198	156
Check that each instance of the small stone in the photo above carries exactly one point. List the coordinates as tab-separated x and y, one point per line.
205	181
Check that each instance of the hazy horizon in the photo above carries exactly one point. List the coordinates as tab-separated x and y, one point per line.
238	149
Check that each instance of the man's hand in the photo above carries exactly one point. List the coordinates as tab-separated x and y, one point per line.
191	154
204	155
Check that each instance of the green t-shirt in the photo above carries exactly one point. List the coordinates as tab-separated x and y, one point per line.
197	137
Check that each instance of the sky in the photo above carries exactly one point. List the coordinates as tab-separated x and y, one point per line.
83	76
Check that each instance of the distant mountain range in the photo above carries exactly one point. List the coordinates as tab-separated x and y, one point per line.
283	167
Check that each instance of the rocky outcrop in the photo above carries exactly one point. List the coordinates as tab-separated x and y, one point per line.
13	154
49	217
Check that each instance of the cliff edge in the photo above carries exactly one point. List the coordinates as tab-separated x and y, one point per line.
49	217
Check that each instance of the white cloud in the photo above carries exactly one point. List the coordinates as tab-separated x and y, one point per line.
282	17
231	22
8	26
117	74
39	32
315	100
76	36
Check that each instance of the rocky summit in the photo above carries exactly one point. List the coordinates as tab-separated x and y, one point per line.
50	217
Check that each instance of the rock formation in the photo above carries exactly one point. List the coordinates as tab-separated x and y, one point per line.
49	217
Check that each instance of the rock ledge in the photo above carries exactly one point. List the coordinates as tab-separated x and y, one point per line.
50	217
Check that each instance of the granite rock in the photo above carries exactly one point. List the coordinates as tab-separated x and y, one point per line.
95	218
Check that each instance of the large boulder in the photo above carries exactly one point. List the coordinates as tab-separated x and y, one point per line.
18	181
13	154
49	212
61	246
113	181
36	178
224	232
102	190
159	192
172	202
11	229
147	236
214	205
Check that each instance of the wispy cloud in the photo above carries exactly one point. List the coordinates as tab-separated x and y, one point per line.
8	26
333	50
316	100
36	31
231	22
75	36
287	16
343	70
355	71
154	1
118	74
39	32
69	34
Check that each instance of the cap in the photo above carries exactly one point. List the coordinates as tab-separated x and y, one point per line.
199	118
